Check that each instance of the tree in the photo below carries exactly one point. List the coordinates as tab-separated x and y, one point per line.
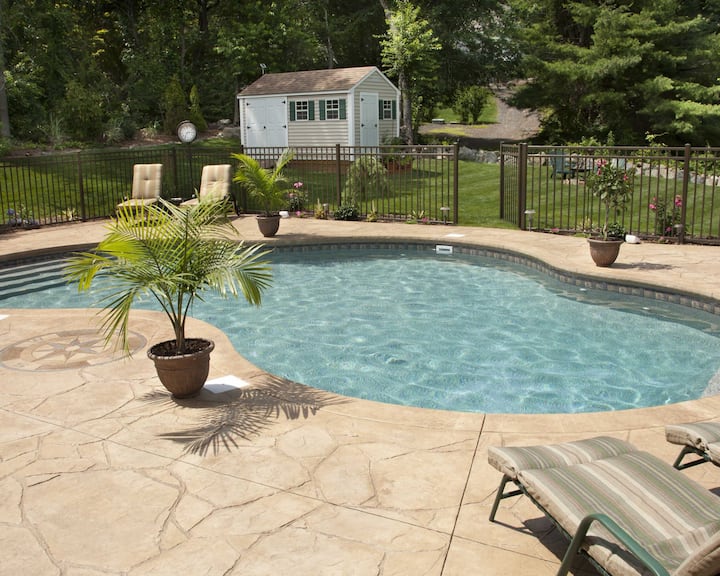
623	68
409	52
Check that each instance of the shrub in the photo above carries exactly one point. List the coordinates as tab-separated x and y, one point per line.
366	178
470	101
347	212
196	115
174	105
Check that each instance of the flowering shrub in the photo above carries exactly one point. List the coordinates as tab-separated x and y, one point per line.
666	217
613	186
297	198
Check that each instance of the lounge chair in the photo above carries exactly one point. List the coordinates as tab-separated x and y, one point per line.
631	513
146	186
214	183
700	438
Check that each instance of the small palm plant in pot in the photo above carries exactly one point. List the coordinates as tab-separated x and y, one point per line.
268	186
613	186
174	255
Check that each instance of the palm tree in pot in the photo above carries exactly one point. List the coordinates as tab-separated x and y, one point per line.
268	186
613	186
175	255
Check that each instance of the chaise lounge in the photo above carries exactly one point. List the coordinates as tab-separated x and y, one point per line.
701	439
630	512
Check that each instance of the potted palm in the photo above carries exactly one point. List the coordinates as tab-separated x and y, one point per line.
612	185
268	186
173	254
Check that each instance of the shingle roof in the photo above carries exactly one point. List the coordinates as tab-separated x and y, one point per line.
306	81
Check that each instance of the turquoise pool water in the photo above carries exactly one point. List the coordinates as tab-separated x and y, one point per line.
460	333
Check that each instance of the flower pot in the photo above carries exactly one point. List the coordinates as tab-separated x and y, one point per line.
183	375
268	225
604	252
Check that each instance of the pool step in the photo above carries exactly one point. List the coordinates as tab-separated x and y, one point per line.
27	278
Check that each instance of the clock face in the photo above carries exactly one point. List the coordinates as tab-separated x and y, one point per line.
186	131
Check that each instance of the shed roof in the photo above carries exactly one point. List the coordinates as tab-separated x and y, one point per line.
331	79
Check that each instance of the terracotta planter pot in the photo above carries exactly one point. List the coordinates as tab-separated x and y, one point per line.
184	375
268	225
604	252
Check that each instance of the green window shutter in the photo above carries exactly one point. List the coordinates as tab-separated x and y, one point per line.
343	109
311	110
394	109
292	111
381	105
322	109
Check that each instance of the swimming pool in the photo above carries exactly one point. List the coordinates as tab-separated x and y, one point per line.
459	332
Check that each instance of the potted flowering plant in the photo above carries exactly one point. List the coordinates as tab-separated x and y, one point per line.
612	184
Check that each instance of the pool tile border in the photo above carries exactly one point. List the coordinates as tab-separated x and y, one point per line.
687	299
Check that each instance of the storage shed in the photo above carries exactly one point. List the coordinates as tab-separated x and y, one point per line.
346	106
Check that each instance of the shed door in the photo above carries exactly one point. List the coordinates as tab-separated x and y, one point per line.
266	122
369	133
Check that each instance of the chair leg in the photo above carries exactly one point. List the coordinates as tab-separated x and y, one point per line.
502	495
684	452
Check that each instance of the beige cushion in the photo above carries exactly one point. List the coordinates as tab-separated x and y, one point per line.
214	183
147	181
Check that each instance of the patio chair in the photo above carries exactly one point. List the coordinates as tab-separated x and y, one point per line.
701	439
214	183
146	186
561	164
628	511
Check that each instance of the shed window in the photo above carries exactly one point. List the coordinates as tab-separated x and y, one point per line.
302	110
333	109
387	109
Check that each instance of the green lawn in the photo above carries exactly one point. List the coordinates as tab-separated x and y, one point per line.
488	116
479	195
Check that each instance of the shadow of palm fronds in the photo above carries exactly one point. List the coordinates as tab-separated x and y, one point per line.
248	412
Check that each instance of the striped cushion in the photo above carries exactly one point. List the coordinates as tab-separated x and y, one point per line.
698	435
657	505
511	460
713	451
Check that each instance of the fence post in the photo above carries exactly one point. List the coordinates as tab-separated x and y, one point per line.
502	182
456	172
81	189
338	179
522	183
685	187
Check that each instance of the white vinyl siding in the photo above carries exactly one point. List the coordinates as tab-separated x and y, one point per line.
376	83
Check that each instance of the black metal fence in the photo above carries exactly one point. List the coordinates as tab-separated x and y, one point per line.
386	182
676	191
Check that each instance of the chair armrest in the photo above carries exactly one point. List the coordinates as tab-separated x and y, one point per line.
628	541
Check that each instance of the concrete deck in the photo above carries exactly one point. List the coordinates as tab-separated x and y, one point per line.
101	473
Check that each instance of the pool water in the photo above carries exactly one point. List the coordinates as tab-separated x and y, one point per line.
459	332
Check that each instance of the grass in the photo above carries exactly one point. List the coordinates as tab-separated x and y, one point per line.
479	195
488	116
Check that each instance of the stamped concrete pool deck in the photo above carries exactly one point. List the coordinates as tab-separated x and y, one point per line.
102	473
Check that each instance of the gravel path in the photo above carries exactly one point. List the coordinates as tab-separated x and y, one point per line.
512	125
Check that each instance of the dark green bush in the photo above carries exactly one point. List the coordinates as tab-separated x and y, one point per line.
347	212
